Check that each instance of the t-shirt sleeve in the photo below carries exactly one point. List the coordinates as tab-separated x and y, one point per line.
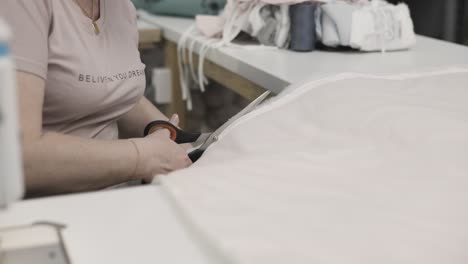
30	21
133	16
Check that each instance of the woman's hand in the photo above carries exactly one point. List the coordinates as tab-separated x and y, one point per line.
159	155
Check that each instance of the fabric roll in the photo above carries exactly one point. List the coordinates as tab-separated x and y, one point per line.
303	35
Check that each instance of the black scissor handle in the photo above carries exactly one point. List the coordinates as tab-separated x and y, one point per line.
195	155
178	135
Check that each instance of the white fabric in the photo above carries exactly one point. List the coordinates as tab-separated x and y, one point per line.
354	169
272	35
366	26
383	27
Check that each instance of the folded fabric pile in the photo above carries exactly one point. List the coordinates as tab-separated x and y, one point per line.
363	25
264	19
366	26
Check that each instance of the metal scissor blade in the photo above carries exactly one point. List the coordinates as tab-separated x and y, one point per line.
214	136
201	140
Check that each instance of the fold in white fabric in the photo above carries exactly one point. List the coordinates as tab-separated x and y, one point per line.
353	169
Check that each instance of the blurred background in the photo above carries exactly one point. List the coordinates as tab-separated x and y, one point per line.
442	19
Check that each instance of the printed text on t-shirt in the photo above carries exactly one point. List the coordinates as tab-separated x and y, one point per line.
112	78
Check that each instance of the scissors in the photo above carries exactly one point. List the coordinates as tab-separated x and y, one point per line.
203	140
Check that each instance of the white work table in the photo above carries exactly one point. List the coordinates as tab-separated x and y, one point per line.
134	225
274	70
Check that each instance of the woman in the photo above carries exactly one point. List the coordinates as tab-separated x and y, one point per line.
82	109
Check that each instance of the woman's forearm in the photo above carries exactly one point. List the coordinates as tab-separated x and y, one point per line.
57	163
134	122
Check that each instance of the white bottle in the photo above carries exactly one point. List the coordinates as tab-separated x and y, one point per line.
11	174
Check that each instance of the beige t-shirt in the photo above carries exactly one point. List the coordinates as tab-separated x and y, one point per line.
91	80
